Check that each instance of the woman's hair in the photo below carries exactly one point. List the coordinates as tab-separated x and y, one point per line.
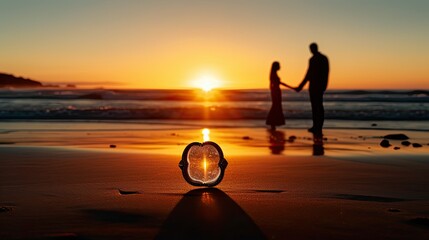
274	68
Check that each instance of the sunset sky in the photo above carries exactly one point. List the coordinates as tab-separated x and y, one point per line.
371	44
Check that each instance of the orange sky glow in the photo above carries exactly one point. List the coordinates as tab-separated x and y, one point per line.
170	45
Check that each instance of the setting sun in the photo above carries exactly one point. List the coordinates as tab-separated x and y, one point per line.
206	83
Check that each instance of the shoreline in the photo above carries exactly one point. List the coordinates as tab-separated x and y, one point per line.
410	125
173	136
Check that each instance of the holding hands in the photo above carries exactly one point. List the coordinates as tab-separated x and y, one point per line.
297	89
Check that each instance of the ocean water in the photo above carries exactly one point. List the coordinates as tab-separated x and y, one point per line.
195	105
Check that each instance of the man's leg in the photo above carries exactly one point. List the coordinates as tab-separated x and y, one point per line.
313	113
321	119
317	111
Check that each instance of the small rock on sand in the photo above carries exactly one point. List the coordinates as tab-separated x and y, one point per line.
291	139
406	143
396	148
246	138
417	145
385	143
124	192
112	146
5	209
399	136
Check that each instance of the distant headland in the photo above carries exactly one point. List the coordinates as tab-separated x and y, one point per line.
10	81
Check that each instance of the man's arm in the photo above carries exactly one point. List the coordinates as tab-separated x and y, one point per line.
299	88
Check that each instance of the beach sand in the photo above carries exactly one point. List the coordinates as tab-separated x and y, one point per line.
122	181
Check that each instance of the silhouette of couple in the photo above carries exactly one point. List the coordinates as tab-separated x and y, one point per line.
317	75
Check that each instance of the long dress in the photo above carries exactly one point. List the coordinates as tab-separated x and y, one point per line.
275	116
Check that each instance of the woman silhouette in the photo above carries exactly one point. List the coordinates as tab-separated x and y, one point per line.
275	116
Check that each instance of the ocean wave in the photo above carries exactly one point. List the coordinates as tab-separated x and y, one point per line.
381	92
195	105
420	96
201	113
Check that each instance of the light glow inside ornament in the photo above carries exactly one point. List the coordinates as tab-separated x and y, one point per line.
203	164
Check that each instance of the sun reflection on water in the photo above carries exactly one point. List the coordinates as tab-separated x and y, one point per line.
206	134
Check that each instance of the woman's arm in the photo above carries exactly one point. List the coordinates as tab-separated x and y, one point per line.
284	84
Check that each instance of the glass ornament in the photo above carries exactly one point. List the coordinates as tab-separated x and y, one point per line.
203	164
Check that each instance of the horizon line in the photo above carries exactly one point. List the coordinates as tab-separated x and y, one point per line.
215	89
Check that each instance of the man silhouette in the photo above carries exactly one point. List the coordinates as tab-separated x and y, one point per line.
317	74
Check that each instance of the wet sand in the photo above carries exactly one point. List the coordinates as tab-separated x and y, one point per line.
70	184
